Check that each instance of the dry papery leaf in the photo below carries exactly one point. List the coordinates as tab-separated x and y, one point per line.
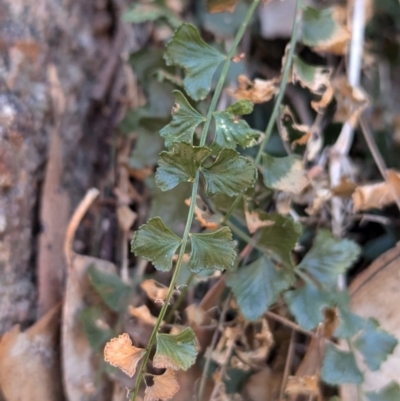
126	217
204	216
120	352
351	101
258	352
345	189
225	345
155	291
143	314
259	91
29	365
195	314
164	387
253	221
219	6
306	385
377	195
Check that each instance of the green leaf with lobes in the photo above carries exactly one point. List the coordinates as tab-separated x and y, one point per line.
390	392
258	285
349	323
340	367
175	351
230	132
200	61
280	237
329	257
155	242
110	287
230	174
212	251
284	173
307	304
179	165
375	344
185	120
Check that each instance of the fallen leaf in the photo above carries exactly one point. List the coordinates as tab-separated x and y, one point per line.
29	365
195	315
253	220
143	314
164	387
204	216
377	195
120	352
306	385
219	6
345	188
154	290
259	91
126	217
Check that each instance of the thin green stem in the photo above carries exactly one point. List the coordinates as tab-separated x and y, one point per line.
282	87
225	69
195	188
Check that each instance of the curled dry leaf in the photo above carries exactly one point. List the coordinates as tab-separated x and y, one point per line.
254	222
345	188
306	385
164	387
120	352
204	216
143	314
377	195
154	290
195	314
259	91
126	217
351	101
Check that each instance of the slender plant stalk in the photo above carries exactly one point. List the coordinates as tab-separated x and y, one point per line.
195	187
278	101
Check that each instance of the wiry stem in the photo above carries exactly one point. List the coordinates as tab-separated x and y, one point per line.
195	188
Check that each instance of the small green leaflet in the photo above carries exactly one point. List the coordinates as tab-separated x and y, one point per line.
230	174
240	108
340	367
329	257
200	61
179	165
350	323
258	285
110	287
307	304
185	120
212	251
284	173
230	132
375	344
175	351
279	238
391	392
156	243
96	329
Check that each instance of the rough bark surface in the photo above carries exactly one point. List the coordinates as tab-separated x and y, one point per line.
52	130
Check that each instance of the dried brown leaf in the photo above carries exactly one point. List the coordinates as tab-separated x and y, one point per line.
204	216
120	352
126	217
345	188
154	290
220	6
195	314
306	385
372	196
143	314
164	387
259	91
